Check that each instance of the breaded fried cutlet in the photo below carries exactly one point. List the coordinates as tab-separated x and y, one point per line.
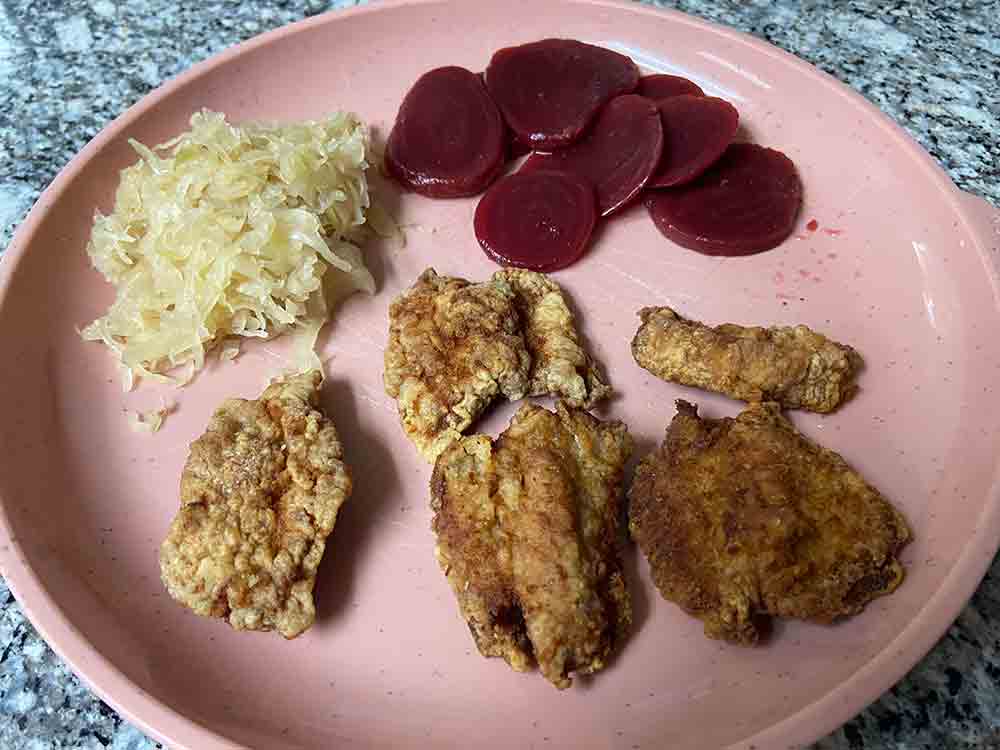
453	347
742	519
560	365
260	493
793	366
527	536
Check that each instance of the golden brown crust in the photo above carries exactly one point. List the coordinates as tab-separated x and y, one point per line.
453	347
560	365
527	536
473	549
744	518
260	493
793	366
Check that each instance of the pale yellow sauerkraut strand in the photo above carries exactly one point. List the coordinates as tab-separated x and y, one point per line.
231	231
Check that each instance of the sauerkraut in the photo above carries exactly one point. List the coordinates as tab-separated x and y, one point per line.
147	421
229	232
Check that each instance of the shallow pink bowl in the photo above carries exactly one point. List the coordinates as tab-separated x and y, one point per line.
902	268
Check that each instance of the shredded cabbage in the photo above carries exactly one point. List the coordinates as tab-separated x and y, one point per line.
232	231
149	421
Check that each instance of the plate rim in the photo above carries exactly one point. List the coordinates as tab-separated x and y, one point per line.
827	713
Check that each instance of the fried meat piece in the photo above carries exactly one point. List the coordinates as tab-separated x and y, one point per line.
259	495
453	347
794	366
745	518
560	365
527	532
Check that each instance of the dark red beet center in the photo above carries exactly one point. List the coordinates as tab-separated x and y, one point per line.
617	156
549	91
664	86
540	220
696	132
449	139
746	203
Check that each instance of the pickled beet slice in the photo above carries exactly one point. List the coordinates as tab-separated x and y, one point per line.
539	220
449	139
516	149
549	91
617	156
746	203
664	86
696	131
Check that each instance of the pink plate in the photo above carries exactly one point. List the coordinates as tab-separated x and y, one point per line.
902	266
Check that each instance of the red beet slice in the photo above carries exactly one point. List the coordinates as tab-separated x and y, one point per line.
516	149
663	87
540	220
617	156
549	91
696	131
746	203
449	138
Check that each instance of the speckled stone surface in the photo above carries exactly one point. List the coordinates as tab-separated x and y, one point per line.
68	67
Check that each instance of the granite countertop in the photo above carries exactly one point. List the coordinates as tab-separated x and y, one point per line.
68	67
